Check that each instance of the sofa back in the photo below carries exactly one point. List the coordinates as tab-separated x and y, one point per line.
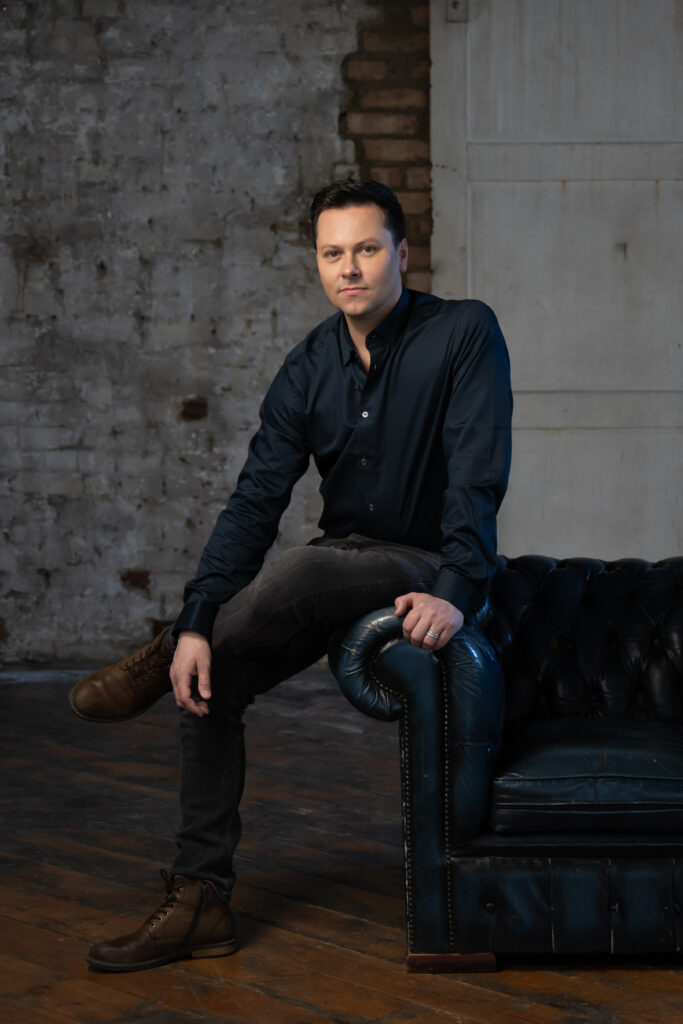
584	638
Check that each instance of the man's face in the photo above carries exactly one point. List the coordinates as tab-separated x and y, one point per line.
359	263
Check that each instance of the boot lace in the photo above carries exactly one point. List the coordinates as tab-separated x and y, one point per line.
146	663
173	891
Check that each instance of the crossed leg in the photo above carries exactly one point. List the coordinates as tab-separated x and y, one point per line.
277	626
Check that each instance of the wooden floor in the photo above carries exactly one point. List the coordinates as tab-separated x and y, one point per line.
88	811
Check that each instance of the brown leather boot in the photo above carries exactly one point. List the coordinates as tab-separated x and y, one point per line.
127	688
193	921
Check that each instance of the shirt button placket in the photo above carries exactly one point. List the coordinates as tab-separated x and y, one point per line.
365	414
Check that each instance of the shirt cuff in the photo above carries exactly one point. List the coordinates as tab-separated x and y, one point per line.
462	593
197	617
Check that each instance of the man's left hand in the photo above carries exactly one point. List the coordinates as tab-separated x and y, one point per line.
424	613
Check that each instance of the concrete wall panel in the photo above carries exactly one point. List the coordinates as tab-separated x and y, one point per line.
589	276
624	498
575	70
557	134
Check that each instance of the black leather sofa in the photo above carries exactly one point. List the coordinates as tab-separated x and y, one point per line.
541	763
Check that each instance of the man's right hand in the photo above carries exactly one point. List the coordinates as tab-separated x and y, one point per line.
192	658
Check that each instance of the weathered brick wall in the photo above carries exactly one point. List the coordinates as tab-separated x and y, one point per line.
158	160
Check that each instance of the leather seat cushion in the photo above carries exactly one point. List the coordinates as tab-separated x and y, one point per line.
582	775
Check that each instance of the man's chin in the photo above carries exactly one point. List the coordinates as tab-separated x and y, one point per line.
354	305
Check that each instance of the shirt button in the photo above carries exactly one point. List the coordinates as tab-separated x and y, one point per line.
371	507
363	461
365	414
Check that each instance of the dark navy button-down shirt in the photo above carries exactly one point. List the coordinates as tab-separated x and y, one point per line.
415	451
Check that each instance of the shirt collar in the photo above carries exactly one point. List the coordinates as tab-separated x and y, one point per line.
388	332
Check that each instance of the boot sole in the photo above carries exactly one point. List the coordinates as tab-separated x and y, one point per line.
201	953
115	718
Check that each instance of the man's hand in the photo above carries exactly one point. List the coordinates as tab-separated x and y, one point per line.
192	658
424	612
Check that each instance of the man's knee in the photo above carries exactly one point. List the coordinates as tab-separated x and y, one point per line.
306	585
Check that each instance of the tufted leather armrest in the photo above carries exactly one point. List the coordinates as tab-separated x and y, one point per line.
451	702
458	696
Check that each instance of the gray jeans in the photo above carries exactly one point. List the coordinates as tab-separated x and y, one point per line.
277	626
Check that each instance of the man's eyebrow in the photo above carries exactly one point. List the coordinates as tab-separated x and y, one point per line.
363	241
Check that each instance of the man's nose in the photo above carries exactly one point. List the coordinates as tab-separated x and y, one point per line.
350	266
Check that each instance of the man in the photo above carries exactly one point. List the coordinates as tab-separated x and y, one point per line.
403	400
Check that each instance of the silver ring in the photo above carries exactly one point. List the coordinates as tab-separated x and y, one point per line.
434	635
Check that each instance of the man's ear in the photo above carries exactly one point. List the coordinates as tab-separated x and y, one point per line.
403	255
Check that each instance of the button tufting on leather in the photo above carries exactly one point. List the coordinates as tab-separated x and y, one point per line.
561	627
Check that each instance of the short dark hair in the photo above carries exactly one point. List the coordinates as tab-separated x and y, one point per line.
351	192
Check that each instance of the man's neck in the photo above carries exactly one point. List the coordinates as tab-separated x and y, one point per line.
359	328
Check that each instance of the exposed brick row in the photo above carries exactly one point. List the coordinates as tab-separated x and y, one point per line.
388	118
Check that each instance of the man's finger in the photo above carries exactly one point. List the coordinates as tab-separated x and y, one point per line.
204	681
444	636
187	702
418	630
196	707
410	623
182	690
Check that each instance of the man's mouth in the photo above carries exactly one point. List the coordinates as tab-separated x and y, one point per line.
353	288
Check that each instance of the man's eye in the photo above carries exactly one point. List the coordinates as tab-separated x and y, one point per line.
368	248
331	253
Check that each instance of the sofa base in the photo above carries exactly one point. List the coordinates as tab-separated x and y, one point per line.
450	963
568	905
